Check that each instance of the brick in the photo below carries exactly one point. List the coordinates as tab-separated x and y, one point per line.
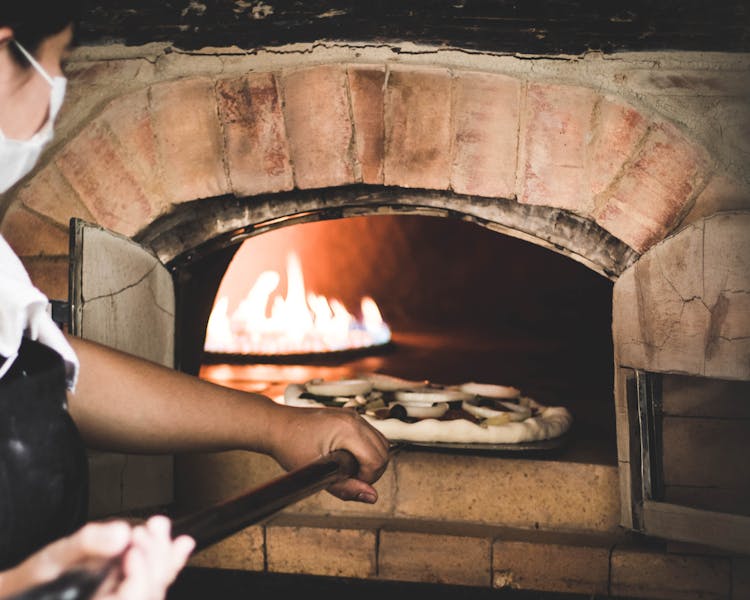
324	503
556	126
319	551
485	120
31	235
49	274
188	136
204	479
429	558
617	130
635	230
129	119
669	576
102	178
417	128
367	89
647	201
319	126
550	567
242	551
515	493
254	135
50	194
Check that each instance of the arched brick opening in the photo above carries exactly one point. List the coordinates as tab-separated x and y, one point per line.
567	151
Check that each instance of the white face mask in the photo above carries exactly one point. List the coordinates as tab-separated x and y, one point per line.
18	157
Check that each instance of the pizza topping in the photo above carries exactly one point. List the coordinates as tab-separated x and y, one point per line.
388	383
459	413
501	419
423	411
430	395
343	387
488	390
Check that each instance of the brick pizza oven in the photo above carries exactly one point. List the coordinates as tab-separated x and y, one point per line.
633	164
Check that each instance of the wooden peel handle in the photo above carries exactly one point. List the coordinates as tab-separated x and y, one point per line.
216	522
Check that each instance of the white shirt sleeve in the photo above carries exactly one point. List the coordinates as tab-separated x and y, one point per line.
23	312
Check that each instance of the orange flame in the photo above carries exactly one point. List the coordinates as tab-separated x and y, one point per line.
300	323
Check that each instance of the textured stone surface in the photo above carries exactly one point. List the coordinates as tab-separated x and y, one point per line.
721	194
324	503
319	126
424	557
556	127
188	139
317	551
31	235
367	90
684	307
650	575
485	144
104	180
417	128
254	135
243	551
206	479
517	493
126	298
726	281
550	567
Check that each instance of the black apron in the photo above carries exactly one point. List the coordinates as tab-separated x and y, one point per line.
43	466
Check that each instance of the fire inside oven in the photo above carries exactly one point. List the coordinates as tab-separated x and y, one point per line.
451	302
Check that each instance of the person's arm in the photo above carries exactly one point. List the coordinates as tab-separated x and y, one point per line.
122	403
150	561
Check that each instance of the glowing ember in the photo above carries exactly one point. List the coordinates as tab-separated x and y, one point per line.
300	323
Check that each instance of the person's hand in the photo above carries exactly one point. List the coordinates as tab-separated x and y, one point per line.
150	559
303	435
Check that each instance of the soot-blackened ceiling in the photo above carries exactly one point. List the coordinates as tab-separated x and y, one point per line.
522	26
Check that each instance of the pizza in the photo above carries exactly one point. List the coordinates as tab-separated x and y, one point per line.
422	411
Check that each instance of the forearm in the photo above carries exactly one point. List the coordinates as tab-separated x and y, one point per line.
122	403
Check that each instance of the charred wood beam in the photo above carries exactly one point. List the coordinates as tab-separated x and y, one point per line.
529	26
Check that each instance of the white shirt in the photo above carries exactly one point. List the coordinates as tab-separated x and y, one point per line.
23	312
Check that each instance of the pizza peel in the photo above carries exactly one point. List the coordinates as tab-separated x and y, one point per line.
217	522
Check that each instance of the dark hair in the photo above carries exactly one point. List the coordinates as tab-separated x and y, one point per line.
32	22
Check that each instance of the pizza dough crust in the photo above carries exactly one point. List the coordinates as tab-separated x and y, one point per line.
549	421
552	422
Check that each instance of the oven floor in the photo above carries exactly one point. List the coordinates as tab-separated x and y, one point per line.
198	583
554	372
